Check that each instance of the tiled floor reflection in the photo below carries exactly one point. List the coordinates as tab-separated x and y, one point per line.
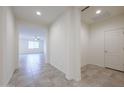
33	72
32	62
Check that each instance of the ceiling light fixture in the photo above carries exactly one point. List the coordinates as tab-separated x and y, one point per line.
98	11
38	13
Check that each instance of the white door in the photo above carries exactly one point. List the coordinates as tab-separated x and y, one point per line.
114	49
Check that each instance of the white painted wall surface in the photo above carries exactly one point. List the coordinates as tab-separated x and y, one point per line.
1	48
74	46
64	44
58	42
8	45
96	50
85	35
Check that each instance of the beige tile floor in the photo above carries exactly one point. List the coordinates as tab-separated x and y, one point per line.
33	72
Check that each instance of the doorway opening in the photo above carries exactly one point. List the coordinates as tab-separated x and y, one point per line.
32	47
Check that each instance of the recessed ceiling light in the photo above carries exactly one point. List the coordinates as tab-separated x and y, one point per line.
38	13
98	11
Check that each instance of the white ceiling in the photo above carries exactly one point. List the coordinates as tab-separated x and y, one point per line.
29	31
89	16
49	13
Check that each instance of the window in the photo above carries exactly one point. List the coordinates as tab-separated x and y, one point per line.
33	44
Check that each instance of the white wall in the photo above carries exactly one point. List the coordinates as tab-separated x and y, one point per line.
9	58
64	43
1	48
96	42
84	34
58	42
